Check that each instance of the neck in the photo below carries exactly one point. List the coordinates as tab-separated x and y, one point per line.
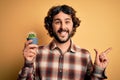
63	46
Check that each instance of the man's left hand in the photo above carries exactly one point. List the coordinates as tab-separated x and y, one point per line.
101	59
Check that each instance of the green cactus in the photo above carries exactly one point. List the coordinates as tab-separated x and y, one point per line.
32	35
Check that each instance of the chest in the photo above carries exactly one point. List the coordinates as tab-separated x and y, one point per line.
69	65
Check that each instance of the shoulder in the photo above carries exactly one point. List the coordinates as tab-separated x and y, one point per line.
83	54
81	50
43	49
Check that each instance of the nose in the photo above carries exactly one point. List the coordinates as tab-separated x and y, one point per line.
63	26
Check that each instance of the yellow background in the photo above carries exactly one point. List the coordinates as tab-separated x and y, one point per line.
100	29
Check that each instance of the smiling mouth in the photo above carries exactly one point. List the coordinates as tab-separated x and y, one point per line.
61	30
63	33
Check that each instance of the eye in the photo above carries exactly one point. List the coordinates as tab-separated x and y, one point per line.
57	22
67	22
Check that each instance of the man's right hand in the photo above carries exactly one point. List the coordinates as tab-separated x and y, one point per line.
30	51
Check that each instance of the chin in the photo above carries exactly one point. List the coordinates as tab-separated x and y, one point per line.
63	40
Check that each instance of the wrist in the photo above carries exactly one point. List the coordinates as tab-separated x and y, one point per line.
28	64
99	72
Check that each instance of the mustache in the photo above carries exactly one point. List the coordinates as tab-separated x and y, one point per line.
62	30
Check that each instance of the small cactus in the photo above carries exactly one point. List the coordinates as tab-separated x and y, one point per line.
32	36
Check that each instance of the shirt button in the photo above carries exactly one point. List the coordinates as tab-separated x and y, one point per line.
60	70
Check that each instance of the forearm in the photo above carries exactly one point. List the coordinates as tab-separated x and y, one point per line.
27	72
94	72
98	73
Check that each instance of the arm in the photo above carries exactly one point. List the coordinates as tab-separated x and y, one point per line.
96	71
27	72
29	53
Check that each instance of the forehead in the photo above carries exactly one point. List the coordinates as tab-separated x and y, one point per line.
62	16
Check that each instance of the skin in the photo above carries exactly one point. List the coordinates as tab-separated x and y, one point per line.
101	59
30	51
62	27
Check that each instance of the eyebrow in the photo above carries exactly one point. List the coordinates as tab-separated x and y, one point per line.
59	19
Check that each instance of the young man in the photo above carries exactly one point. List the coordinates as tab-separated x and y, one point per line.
61	59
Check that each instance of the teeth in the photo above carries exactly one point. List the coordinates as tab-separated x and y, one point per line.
63	33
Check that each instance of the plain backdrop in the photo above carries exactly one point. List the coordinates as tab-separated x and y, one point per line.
100	29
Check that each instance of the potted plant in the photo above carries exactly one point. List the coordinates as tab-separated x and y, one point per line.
32	36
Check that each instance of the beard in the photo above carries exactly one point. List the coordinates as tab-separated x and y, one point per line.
59	39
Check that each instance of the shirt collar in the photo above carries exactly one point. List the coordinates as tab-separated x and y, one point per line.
72	47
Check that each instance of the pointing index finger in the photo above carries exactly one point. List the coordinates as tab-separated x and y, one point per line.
108	50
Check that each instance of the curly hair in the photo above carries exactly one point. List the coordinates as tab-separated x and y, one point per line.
54	11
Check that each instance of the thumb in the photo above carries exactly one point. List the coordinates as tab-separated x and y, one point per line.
97	55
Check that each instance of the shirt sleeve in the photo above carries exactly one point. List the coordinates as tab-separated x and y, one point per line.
27	72
94	72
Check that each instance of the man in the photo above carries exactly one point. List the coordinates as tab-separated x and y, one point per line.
61	59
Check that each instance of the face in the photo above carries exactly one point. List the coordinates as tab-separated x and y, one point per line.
62	27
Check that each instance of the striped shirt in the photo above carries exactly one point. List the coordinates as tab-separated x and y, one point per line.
52	64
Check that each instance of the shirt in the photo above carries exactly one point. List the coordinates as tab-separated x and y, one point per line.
52	64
